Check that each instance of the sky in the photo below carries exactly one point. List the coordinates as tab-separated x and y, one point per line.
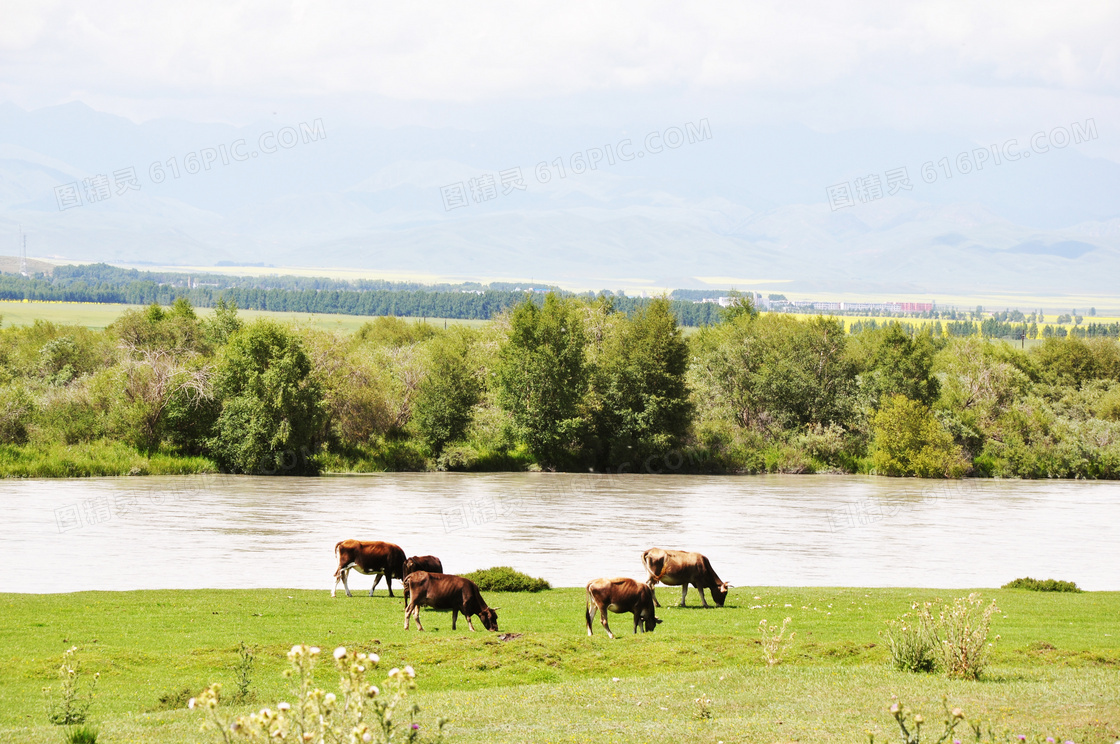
974	69
798	96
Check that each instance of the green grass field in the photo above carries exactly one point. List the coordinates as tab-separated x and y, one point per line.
1055	667
98	316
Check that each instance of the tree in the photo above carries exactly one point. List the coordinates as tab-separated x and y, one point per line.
909	440
895	362
271	407
776	369
639	381
541	377
446	395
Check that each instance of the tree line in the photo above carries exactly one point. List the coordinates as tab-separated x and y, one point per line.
565	383
101	283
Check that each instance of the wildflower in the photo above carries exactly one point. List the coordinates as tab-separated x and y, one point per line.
374	658
315	650
284	706
367	737
340	652
329	699
918	719
410	671
958	713
296	650
415	727
372	691
394	672
191	703
896	709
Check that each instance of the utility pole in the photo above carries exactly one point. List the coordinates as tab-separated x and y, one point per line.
22	252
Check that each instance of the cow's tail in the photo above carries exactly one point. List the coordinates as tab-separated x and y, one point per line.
338	558
647	562
587	610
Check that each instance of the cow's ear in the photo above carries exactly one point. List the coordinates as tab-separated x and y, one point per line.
657	620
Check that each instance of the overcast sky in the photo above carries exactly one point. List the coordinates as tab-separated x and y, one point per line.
951	67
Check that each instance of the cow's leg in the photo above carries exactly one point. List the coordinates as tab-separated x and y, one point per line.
376	581
470	623
636	622
389	583
702	600
418	625
455	617
651	582
345	585
603	618
684	592
408	614
337	578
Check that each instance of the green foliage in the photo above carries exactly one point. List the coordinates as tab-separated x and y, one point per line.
81	735
909	440
541	378
775	370
913	641
896	363
360	712
448	392
505	579
1043	585
963	632
174	699
244	671
271	415
16	409
75	692
641	402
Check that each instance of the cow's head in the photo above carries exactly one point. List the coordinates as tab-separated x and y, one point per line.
651	622
489	619
719	592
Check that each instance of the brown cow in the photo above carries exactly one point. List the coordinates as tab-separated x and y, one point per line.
428	563
446	592
681	568
381	558
620	595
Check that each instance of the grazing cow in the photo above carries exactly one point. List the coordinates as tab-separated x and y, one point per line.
681	568
441	591
381	558
620	595
428	563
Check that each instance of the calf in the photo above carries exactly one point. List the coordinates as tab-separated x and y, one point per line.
620	595
681	568
445	592
428	563
381	558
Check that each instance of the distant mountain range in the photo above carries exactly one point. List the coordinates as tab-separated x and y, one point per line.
743	206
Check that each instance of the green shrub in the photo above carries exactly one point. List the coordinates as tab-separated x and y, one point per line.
912	640
174	699
1037	585
505	579
963	630
81	735
909	440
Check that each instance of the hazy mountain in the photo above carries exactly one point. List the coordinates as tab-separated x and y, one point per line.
747	204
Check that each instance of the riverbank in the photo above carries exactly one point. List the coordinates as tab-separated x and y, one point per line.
1055	665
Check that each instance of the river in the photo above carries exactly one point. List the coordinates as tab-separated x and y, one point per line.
249	532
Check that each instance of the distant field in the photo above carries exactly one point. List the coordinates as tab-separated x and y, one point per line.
98	316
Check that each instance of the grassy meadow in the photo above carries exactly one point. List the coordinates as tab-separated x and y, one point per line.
1055	667
97	316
